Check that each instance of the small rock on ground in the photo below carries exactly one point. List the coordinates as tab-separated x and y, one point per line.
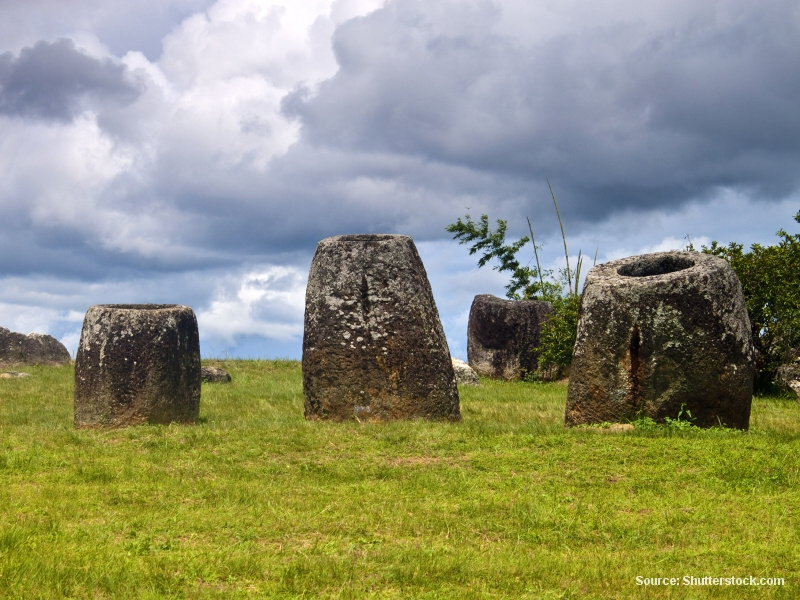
465	375
621	427
214	375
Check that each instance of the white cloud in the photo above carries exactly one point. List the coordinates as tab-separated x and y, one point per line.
68	177
35	319
229	69
25	319
267	302
57	168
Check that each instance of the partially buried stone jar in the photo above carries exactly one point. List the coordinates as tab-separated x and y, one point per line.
373	345
137	363
502	336
659	335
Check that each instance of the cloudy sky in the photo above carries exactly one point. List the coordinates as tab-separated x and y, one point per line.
195	151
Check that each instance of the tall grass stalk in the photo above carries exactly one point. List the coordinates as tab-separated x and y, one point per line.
563	237
536	254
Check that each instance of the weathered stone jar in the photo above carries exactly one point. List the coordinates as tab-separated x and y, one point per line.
502	336
137	363
373	345
659	333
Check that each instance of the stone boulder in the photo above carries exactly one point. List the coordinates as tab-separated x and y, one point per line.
502	335
31	349
659	332
465	375
137	363
214	375
789	376
14	375
373	345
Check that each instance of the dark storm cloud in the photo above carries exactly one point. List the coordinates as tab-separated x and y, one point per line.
52	80
62	253
621	116
311	193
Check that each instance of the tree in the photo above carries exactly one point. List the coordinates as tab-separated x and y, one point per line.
770	277
527	283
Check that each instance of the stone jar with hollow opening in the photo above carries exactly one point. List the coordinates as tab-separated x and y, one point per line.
502	336
662	335
136	364
373	345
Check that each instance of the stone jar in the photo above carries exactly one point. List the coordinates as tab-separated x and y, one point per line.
662	334
137	363
502	335
373	345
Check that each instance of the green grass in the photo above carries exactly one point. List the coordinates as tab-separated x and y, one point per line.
256	502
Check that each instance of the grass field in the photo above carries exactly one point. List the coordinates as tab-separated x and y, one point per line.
256	502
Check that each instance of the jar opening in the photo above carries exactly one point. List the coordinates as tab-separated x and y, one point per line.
655	265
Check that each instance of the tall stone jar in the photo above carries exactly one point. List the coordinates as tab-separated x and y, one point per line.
137	363
662	335
373	345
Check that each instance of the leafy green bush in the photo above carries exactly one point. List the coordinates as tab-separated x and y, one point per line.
770	277
557	337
